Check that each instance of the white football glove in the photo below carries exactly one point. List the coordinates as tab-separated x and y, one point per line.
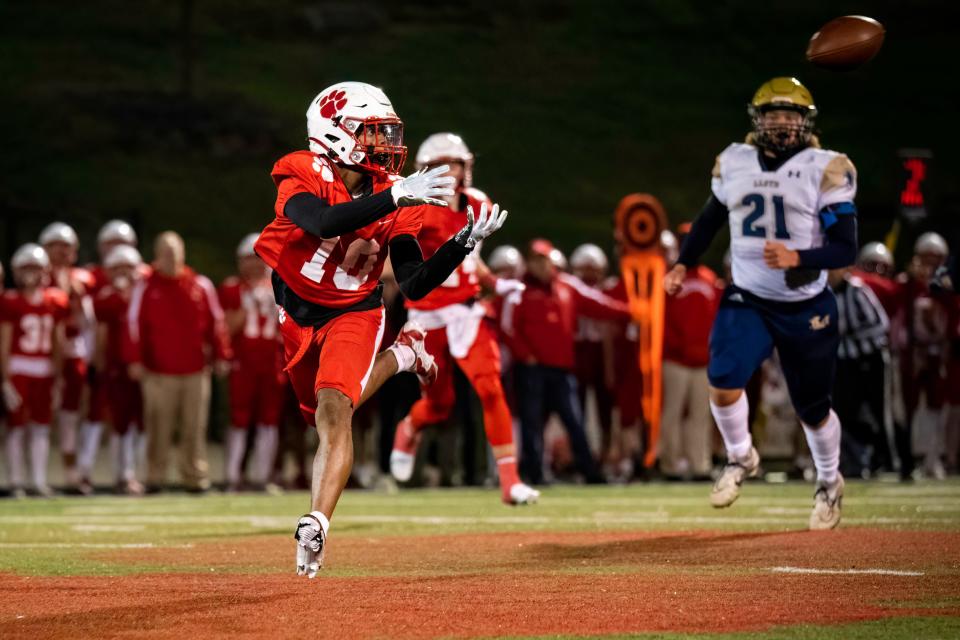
506	286
310	542
423	187
482	227
11	397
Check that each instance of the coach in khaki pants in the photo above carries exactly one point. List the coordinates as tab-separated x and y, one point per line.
176	330
686	430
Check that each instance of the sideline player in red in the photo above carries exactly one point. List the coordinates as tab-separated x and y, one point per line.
122	268
60	242
457	334
340	209
31	334
113	234
257	383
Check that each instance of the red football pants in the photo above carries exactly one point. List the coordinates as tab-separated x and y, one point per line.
339	355
482	368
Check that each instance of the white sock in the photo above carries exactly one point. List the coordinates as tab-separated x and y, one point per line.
15	461
824	443
324	522
405	356
89	446
236	443
265	451
128	453
734	423
116	455
39	453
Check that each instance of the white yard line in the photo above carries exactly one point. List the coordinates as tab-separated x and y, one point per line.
269	522
90	545
846	572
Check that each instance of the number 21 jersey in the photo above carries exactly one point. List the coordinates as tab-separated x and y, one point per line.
781	206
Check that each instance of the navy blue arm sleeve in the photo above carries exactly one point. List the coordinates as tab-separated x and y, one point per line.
318	217
418	277
706	225
841	247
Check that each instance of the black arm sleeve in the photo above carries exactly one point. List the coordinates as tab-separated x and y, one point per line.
418	277
709	221
316	216
840	250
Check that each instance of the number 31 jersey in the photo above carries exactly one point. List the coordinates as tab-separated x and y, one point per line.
331	272
781	206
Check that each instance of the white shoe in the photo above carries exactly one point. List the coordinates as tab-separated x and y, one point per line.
412	336
310	543
727	487
403	457
827	502
523	494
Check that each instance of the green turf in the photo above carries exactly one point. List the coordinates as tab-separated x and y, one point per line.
30	529
82	536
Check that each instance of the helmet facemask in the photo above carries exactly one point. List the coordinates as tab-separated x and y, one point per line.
379	147
783	136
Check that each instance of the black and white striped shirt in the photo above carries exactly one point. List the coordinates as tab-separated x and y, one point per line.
863	323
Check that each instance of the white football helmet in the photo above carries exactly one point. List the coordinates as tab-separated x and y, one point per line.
932	243
354	124
441	148
245	248
558	259
670	246
505	257
59	232
123	255
117	231
588	255
875	253
30	255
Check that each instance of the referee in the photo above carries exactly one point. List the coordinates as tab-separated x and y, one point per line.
861	392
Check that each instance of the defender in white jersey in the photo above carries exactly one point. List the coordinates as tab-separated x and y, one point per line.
789	205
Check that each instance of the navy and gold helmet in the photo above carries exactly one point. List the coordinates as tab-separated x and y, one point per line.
783	94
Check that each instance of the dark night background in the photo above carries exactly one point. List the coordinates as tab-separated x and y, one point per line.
170	114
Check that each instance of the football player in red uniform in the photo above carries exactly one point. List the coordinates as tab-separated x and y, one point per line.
113	234
122	268
257	382
456	330
340	209
60	242
31	332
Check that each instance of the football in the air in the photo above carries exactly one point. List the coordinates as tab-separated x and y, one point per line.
845	43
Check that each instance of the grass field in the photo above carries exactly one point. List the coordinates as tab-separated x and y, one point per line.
645	560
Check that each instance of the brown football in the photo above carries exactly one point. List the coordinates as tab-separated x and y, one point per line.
845	43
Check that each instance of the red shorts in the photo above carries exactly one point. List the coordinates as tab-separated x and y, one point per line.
339	355
483	359
36	401
74	378
256	397
124	402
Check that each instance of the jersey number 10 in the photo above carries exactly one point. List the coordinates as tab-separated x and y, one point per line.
758	202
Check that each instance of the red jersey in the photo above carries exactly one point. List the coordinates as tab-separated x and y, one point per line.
688	319
111	307
256	344
34	320
439	225
331	272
